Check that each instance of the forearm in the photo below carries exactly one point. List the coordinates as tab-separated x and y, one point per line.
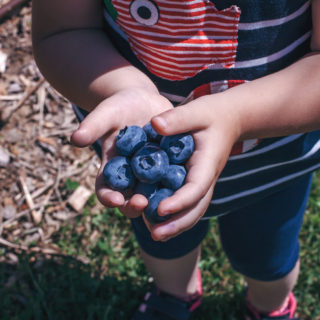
84	66
283	103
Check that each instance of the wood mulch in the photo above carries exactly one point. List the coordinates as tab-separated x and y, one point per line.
36	158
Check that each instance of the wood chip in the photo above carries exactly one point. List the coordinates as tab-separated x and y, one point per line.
79	198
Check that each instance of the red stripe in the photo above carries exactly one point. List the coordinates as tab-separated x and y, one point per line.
237	148
201	91
172	56
167	42
234	83
174	36
175	21
188	9
210	28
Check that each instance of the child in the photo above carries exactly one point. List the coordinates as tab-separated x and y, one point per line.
246	77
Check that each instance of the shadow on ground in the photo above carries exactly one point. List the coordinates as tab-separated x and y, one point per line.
62	288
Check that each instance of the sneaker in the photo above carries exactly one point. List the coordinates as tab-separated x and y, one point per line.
287	313
158	305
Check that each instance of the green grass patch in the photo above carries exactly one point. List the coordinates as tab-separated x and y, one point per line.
113	280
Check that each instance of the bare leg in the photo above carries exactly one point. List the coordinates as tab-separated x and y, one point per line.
270	296
175	276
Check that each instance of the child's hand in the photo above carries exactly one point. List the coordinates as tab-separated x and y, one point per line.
215	129
134	106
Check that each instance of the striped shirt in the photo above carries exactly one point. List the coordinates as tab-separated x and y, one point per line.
194	47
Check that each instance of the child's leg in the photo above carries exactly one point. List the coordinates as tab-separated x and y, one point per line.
178	276
277	291
173	264
261	242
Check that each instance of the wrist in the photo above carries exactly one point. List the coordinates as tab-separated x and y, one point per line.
221	114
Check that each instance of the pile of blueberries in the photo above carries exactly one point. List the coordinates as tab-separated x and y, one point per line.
149	164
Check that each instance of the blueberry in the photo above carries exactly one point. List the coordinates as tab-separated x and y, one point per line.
150	163
152	135
118	175
174	177
146	189
179	147
151	211
129	140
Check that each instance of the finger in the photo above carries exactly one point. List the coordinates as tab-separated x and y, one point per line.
103	119
180	119
181	221
106	196
134	207
202	172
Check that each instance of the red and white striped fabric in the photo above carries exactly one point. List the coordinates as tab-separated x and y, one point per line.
219	86
177	39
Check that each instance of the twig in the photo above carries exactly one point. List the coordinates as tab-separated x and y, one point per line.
18	216
12	245
8	8
8	112
12	97
35	215
41	103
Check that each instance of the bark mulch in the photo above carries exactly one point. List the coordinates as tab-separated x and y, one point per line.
37	162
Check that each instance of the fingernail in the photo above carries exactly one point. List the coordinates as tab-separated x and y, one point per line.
161	122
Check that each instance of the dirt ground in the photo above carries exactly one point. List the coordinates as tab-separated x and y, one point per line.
38	166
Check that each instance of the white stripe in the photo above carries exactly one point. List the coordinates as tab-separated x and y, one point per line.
219	14
272	146
249	144
315	149
239	64
183	55
194	24
273	57
174	24
173	97
264	187
117	29
174	37
186	44
172	28
180	66
219	86
274	22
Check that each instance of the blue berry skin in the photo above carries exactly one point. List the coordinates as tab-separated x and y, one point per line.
146	189
151	211
118	175
150	163
152	135
174	177
129	140
179	147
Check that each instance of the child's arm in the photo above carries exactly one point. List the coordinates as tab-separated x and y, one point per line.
76	57
74	54
286	102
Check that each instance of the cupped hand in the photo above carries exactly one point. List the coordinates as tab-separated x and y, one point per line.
215	129
134	106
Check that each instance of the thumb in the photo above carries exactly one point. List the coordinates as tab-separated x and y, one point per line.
179	120
100	121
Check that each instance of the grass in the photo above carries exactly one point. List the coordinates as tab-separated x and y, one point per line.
113	280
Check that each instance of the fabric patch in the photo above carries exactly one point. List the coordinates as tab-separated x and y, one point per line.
175	40
220	86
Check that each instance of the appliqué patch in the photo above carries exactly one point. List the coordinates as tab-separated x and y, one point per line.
220	86
176	40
